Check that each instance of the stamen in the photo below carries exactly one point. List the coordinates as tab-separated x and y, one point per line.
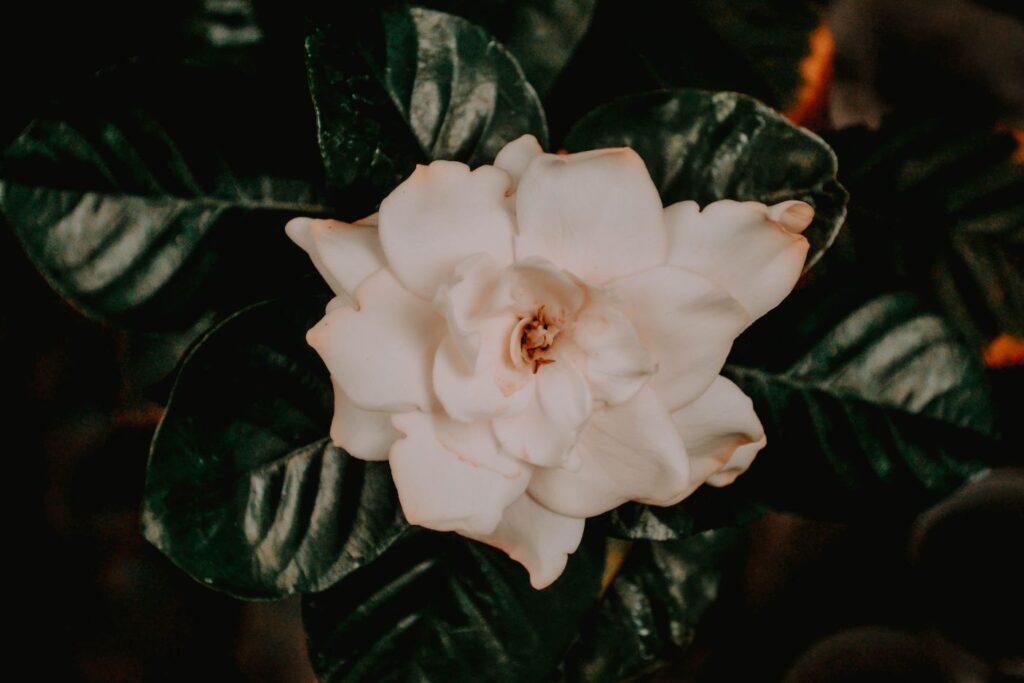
536	337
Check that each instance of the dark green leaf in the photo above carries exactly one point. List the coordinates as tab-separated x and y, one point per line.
223	32
426	85
438	607
652	608
749	46
158	194
708	146
833	455
540	34
886	414
942	203
243	491
893	352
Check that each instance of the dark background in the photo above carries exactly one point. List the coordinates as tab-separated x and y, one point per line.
106	606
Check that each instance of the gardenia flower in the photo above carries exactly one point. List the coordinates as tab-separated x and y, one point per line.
537	342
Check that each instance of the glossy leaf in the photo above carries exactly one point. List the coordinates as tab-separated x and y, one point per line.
755	47
438	607
707	146
146	209
424	85
942	204
885	415
866	460
651	611
243	489
541	34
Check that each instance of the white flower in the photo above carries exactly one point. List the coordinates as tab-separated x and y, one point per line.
539	341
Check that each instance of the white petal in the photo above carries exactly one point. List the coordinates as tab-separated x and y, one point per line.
373	220
535	282
537	538
517	155
721	432
344	254
382	352
439	489
440	215
338	302
467	300
549	426
742	458
490	387
597	214
365	434
756	252
610	352
627	452
687	322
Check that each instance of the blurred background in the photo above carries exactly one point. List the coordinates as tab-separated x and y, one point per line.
937	598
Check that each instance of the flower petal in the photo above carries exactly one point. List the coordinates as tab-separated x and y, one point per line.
605	344
373	220
440	215
756	252
721	432
627	452
549	426
517	155
381	353
534	282
365	434
467	300
439	489
597	214
687	322
490	387
537	538
344	254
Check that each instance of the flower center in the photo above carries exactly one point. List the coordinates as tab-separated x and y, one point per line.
531	339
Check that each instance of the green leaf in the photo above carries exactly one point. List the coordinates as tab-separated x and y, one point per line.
651	611
425	85
540	34
147	201
942	204
894	352
243	491
888	413
750	46
708	146
438	607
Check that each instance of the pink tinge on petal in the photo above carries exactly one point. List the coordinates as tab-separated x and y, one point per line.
382	352
345	255
687	323
440	215
534	282
604	343
754	251
741	460
365	434
596	214
373	220
491	386
627	452
722	433
549	426
537	538
517	155
442	491
467	300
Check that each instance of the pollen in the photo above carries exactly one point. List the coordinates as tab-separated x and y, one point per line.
532	339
